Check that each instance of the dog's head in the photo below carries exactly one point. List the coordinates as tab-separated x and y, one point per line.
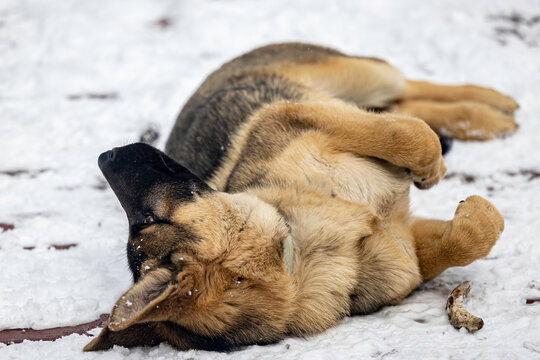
207	266
151	187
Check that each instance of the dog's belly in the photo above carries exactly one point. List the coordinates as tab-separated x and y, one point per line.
310	164
381	186
372	182
384	188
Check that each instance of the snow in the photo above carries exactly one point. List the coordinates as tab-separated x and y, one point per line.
79	77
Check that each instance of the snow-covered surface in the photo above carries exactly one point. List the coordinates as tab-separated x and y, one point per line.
143	58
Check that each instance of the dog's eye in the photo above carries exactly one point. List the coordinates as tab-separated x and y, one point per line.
148	219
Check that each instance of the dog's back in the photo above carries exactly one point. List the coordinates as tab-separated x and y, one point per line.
205	129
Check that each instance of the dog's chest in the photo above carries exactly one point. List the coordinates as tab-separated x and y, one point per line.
368	181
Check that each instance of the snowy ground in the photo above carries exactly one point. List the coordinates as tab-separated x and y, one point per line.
79	77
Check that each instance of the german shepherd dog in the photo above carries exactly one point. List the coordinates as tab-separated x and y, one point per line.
281	205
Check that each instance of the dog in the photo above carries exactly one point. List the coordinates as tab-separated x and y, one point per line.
281	205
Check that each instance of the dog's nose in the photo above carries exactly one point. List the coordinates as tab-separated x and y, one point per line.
112	154
107	157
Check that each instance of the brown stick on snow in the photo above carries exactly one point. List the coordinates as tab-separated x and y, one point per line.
15	336
458	316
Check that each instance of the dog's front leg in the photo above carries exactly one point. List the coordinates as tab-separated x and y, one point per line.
401	140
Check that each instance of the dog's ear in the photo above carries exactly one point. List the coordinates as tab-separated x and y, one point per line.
142	301
158	296
258	259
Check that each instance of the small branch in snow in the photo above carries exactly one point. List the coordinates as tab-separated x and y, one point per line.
458	316
15	336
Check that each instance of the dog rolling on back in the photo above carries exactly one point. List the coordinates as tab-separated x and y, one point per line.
281	205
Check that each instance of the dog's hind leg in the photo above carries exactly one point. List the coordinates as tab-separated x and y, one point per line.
470	235
464	120
465	112
367	82
421	90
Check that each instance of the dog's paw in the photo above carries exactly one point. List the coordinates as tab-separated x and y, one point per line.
475	121
490	97
413	145
476	226
425	160
428	176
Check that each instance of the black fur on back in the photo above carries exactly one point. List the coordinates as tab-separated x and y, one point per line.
203	130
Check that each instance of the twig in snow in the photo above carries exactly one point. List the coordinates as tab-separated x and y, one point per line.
15	336
458	316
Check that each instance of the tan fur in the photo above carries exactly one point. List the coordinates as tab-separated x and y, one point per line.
335	177
464	120
340	76
421	90
442	244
